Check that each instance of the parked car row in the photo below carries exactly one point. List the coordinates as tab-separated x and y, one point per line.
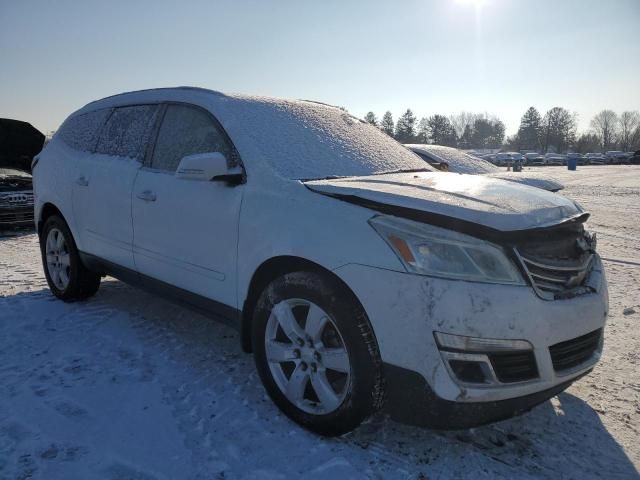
357	274
612	157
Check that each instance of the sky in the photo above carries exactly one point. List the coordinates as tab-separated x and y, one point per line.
433	56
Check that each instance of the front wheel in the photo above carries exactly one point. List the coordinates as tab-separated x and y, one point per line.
316	353
68	278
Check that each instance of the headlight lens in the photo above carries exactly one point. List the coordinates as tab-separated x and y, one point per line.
429	250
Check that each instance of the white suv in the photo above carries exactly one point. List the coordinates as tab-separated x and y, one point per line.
356	274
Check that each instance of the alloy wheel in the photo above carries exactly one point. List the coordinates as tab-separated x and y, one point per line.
58	259
307	356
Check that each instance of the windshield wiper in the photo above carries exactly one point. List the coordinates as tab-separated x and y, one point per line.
329	177
338	177
413	170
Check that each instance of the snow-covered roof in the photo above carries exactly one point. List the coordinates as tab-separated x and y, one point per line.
300	139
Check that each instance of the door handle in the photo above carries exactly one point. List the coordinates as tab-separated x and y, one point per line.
147	196
83	181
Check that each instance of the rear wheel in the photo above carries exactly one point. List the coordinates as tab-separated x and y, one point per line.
66	275
316	354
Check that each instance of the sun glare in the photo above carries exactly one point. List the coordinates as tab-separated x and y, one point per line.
474	3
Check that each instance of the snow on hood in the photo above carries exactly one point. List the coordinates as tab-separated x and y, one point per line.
497	204
532	179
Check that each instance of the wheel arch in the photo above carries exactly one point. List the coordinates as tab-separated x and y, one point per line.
268	271
48	210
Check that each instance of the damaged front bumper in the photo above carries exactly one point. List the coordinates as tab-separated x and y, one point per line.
408	312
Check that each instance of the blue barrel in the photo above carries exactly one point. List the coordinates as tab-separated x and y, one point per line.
572	163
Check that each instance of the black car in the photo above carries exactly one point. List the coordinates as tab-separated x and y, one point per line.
635	159
19	143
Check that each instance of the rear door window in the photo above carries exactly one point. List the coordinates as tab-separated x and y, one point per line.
127	132
187	130
81	131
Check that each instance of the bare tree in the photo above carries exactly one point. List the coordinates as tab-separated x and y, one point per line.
605	126
628	123
462	120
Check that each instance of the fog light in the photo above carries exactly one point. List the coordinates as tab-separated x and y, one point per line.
468	371
459	343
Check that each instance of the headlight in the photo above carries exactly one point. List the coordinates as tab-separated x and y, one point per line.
429	250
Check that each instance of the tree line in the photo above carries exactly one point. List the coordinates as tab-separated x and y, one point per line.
555	131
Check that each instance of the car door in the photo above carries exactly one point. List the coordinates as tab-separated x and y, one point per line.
186	231
104	183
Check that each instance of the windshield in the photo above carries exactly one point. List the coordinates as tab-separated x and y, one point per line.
305	140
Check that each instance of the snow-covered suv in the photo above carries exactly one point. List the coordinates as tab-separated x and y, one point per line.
356	274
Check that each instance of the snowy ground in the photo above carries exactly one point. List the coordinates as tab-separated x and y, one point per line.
128	386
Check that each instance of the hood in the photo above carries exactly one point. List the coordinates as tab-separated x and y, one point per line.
14	180
533	180
19	143
456	201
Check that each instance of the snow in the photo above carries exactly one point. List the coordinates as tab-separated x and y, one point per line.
305	140
186	131
299	139
81	131
461	162
464	197
127	131
129	386
458	161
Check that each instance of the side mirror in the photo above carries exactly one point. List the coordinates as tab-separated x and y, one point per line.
207	167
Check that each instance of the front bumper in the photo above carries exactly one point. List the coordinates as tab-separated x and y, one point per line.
405	310
18	216
409	399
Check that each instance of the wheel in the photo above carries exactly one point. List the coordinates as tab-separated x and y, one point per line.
68	278
316	354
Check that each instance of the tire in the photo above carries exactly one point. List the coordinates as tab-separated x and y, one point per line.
68	278
315	299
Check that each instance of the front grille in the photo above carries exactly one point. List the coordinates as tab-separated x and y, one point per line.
16	199
570	354
511	367
553	278
558	264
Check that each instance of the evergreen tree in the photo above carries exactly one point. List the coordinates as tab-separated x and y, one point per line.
497	135
371	118
422	135
587	142
528	136
440	131
387	123
406	127
487	133
466	138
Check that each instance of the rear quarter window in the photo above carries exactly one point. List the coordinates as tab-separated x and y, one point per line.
127	132
81	131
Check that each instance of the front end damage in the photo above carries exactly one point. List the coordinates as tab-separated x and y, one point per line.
459	354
